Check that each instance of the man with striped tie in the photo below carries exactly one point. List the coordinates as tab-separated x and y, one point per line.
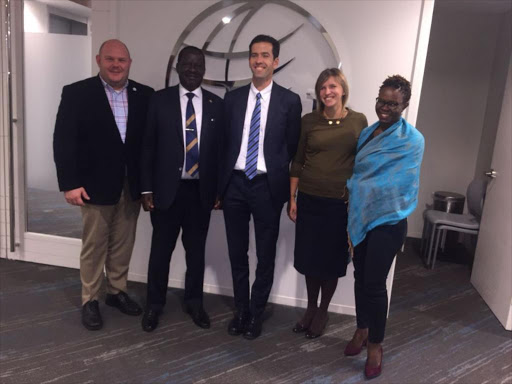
179	179
261	135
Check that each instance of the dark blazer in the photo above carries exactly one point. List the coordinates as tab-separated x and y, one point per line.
281	136
163	150
88	150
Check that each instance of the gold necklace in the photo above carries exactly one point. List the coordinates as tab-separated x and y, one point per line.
337	120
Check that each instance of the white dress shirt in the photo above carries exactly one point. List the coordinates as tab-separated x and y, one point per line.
197	102
251	103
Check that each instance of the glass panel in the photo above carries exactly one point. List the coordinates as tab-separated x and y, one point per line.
50	62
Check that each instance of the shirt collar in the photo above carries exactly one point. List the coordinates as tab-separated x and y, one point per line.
265	92
197	92
109	87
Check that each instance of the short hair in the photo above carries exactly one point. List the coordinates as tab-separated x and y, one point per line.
400	83
323	77
190	49
267	39
111	41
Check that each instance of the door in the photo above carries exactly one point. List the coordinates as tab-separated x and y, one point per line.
55	42
492	269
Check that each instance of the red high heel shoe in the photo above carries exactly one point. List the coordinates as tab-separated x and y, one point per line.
373	372
351	350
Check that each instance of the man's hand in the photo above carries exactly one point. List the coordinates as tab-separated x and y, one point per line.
292	210
218	204
75	196
147	202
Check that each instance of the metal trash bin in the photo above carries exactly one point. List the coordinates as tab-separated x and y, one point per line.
450	202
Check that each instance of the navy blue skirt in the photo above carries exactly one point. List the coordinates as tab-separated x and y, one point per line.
321	240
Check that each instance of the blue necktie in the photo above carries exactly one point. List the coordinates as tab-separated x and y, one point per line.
192	149
251	160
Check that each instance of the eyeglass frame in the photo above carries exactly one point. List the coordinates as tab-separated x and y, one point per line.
390	104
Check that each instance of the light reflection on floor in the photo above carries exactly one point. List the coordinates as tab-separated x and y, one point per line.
49	213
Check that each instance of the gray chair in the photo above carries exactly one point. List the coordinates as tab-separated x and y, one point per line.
436	223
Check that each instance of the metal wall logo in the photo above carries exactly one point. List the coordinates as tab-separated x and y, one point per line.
226	21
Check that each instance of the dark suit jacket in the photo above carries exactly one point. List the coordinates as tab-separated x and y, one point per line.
281	136
163	152
88	150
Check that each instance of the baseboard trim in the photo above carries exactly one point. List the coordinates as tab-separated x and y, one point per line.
228	291
41	249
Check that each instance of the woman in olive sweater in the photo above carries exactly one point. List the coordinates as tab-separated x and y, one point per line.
322	165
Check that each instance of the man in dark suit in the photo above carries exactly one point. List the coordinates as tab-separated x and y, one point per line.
180	159
261	135
97	150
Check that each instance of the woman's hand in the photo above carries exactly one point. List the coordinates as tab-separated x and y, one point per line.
292	203
292	209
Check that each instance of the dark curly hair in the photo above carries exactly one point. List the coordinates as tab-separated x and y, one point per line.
400	83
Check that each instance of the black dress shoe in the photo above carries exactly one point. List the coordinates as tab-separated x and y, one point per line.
299	328
150	320
237	324
124	303
253	329
199	317
91	317
303	324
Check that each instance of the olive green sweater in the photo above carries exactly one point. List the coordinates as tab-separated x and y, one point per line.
325	155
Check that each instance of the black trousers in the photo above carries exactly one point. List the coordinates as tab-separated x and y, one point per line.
186	213
242	199
373	258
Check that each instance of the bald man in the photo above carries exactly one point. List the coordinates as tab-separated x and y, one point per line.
96	145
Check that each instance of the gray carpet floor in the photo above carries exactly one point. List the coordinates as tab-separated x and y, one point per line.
439	331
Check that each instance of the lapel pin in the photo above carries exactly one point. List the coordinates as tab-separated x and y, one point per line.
212	120
210	100
134	89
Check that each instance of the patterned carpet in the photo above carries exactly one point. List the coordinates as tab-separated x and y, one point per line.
439	331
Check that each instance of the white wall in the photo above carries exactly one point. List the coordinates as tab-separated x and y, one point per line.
35	17
465	68
372	45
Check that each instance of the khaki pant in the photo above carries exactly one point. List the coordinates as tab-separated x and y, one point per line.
107	241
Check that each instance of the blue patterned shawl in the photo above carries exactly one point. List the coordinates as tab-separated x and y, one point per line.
385	183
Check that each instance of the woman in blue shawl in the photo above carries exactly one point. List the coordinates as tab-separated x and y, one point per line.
383	192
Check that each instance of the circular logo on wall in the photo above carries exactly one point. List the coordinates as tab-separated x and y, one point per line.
224	30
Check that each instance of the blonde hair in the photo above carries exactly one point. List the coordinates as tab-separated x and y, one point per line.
322	78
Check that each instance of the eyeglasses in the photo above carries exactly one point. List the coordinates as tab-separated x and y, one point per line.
390	104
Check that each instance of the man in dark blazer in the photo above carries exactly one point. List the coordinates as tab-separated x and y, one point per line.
179	178
261	135
96	145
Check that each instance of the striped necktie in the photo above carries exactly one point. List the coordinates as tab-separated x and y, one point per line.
251	160
192	149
